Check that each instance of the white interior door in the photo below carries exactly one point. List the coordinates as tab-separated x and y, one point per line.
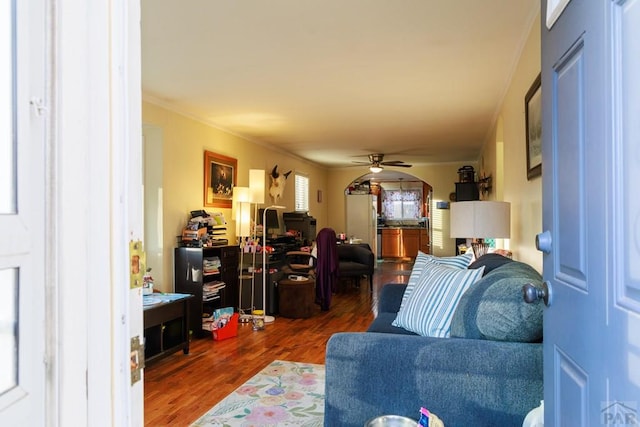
590	213
22	213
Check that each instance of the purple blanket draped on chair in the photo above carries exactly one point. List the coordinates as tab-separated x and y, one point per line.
327	267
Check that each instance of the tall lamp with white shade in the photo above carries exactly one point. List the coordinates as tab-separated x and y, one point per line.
256	196
242	216
479	220
267	319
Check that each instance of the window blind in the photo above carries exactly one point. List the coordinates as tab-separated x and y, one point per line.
301	193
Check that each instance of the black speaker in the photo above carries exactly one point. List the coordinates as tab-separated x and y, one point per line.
467	191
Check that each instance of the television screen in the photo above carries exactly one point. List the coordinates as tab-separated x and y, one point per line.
272	218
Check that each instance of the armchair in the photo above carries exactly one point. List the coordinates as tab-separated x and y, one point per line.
355	261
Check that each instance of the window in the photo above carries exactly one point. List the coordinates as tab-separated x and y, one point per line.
402	204
302	193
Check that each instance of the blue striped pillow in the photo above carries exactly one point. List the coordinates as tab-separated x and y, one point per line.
429	309
425	261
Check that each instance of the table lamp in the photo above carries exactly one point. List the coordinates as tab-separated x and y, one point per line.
480	220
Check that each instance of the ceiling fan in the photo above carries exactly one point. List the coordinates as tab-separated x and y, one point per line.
376	163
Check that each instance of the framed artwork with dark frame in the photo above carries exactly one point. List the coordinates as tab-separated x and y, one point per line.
220	174
533	120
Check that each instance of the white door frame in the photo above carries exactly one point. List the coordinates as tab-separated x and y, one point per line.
94	209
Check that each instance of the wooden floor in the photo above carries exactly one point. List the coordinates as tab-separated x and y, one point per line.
180	388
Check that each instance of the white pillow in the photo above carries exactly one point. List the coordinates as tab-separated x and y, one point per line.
429	308
425	261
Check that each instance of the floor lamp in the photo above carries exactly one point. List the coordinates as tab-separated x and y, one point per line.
480	220
242	214
256	196
267	319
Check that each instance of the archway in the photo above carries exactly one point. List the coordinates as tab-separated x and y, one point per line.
402	209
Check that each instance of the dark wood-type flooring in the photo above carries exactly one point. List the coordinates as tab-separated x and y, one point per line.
181	388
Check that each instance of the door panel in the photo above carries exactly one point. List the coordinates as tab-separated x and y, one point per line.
625	51
590	174
572	392
569	110
574	211
624	309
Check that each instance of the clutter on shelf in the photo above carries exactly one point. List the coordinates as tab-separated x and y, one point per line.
147	283
204	229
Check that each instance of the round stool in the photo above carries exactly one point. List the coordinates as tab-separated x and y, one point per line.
296	298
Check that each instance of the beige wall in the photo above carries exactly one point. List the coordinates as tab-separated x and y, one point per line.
184	142
505	157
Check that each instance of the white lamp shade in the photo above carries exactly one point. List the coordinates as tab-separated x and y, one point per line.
481	219
243	219
256	185
241	194
242	211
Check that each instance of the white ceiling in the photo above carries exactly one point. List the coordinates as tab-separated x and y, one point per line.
335	80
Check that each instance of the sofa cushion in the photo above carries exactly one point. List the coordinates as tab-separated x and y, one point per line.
490	262
494	309
429	308
424	261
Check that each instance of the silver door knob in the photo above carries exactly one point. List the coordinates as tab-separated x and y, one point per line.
543	242
532	294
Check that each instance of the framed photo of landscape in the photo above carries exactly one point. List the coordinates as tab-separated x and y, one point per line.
220	174
533	120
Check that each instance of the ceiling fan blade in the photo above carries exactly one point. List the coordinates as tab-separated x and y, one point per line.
392	162
396	164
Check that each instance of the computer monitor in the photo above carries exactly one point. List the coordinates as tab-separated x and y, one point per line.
273	222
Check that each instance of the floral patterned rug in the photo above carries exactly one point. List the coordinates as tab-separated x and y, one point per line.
282	394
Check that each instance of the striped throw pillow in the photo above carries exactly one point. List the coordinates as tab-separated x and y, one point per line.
429	308
424	261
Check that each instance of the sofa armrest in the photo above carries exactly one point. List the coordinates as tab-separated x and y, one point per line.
390	297
463	381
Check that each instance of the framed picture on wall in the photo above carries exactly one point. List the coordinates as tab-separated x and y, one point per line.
220	174
533	119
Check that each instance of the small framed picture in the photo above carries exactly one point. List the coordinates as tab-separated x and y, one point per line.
533	120
219	179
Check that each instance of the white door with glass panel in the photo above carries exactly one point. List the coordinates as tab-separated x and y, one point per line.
22	213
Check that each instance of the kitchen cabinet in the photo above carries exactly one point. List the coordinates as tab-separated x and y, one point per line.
391	243
410	242
404	242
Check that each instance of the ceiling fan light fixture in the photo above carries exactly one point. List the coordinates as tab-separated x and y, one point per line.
375	168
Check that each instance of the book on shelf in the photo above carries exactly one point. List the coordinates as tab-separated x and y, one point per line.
211	290
211	265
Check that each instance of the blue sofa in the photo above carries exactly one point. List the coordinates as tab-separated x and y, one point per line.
485	374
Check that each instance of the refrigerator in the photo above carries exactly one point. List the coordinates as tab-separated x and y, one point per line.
362	218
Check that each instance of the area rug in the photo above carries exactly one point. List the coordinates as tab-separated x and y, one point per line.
282	394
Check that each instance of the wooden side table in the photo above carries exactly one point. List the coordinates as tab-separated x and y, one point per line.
166	325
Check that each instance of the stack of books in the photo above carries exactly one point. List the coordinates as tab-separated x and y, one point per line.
211	265
211	290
